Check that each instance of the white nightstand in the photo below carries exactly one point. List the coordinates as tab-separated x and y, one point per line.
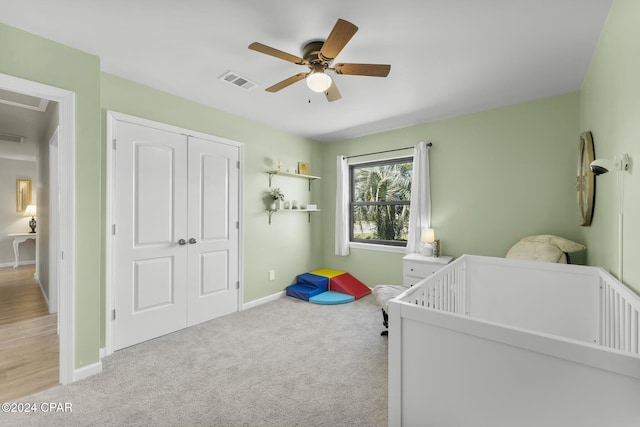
416	267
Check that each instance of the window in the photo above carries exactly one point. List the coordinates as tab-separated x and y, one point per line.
379	197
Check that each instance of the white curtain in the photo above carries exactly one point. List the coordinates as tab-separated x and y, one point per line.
342	206
420	213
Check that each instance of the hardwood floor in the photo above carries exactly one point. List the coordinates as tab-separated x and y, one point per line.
28	336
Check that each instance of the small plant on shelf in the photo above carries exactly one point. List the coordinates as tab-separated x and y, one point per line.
277	194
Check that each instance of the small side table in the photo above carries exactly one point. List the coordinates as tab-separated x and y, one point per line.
17	239
416	267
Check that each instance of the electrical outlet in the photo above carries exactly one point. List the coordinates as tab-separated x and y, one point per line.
272	275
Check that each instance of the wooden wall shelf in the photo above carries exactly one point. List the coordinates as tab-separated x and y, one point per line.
309	211
311	178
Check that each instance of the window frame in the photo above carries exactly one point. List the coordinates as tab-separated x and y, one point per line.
353	204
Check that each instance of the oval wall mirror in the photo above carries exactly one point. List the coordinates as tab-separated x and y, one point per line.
585	182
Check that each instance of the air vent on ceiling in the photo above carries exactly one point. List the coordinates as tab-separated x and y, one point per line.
16	139
239	81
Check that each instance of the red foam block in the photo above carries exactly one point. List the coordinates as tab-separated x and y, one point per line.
347	284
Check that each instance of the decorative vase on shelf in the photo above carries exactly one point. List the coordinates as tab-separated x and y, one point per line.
277	197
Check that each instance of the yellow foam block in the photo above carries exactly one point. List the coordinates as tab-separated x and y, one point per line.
327	272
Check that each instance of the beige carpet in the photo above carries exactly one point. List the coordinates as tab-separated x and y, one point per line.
285	363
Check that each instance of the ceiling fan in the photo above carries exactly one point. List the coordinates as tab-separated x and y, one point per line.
318	55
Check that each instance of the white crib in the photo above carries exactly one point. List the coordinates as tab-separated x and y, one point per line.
495	342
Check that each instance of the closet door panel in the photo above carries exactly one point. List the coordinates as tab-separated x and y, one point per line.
214	197
150	218
153	194
213	272
175	247
213	218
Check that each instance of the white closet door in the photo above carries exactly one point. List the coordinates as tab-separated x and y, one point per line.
213	233
151	217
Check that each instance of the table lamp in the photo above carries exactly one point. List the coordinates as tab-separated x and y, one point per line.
31	211
427	237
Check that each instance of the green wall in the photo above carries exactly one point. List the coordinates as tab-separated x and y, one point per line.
33	58
496	176
284	246
610	109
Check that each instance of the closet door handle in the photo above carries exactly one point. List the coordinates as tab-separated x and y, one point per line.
182	242
192	241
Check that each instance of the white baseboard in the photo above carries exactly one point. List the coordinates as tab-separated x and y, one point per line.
263	300
10	264
103	353
87	371
44	294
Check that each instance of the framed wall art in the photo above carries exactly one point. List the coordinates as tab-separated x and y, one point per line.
23	194
303	168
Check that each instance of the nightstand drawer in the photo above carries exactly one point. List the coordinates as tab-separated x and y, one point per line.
420	269
411	280
416	267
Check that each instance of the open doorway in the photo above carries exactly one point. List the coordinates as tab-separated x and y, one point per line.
56	248
28	292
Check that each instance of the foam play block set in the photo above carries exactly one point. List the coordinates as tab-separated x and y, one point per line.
347	284
326	286
308	285
330	297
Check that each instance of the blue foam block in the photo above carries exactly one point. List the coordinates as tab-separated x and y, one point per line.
331	297
302	292
313	281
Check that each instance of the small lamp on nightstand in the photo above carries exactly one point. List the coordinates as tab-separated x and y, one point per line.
427	237
31	211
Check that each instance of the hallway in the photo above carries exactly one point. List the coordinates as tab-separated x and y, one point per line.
28	340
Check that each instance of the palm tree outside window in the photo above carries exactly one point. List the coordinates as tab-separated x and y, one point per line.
380	194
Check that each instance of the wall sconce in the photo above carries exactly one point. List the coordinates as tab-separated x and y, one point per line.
619	165
602	166
31	211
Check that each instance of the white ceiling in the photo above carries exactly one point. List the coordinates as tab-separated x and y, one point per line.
448	57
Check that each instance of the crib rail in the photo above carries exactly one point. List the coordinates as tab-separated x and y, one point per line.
616	323
444	291
474	306
619	316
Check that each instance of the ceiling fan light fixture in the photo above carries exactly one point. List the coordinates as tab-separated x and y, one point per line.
318	81
318	55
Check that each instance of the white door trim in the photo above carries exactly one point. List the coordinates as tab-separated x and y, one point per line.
66	265
112	118
54	219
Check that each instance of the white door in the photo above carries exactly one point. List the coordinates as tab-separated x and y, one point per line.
213	233
151	218
176	238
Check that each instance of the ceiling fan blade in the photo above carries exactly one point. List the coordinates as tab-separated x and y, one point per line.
338	38
286	82
332	94
375	70
259	47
